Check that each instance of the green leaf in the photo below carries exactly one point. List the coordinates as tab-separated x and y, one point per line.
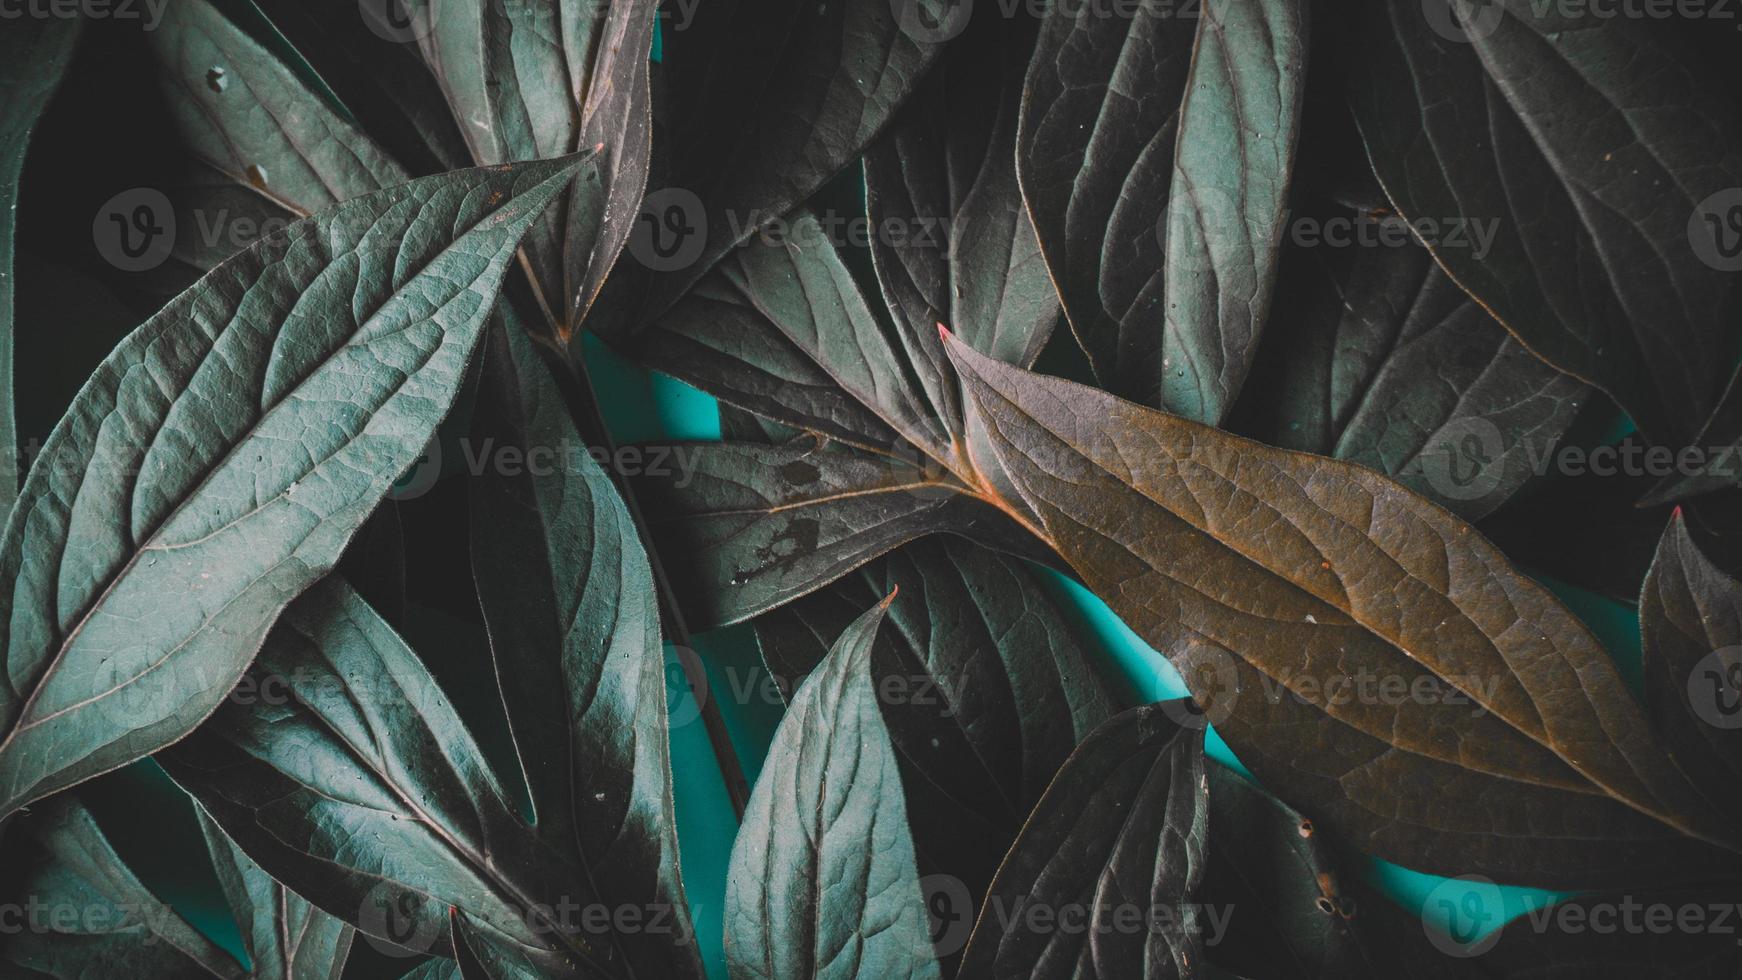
286	937
1386	362
224	453
574	628
771	98
1117	839
542	78
34	54
950	237
1690	623
789	302
988	689
745	527
822	882
92	917
1550	124
341	768
250	117
1155	152
1285	585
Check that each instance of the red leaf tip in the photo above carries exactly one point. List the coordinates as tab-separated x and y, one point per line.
943	331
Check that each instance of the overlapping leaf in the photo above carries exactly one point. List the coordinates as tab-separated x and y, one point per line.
771	98
574	628
822	882
1155	151
224	454
1379	358
988	690
359	787
95	918
1553	124
1279	580
1690	618
1117	839
543	78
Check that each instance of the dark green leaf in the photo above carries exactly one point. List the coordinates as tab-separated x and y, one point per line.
1720	440
341	768
745	527
286	937
574	627
1381	359
777	310
1102	882
822	881
1552	126
771	98
1294	592
1285	911
91	917
225	452
950	237
1155	151
383	82
1690	621
34	53
249	116
988	689
541	78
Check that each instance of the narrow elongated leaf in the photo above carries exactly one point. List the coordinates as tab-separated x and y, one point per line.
771	98
822	882
1690	621
435	969
1284	911
745	527
250	117
92	917
1155	152
34	54
542	78
951	239
224	453
1381	359
1294	590
987	689
286	937
1552	124
364	792
1101	882
574	628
